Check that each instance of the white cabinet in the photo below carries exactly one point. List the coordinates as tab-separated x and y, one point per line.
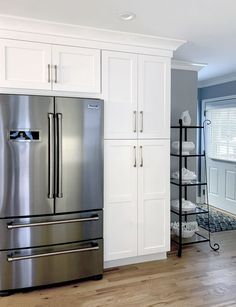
120	94
76	69
42	66
24	64
136	92
153	196
154	97
137	206
120	210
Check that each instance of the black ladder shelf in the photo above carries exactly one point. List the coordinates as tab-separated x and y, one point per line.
182	189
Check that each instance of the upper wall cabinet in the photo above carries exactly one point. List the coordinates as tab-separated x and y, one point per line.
120	94
136	93
154	97
41	66
24	64
76	69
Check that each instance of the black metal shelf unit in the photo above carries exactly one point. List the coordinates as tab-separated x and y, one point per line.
198	210
182	189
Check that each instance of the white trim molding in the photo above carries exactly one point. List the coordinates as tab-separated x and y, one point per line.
222	98
182	65
10	25
133	260
218	80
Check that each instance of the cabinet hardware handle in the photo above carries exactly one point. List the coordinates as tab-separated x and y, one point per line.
141	115
55	67
135	160
141	155
86	219
49	73
71	251
135	121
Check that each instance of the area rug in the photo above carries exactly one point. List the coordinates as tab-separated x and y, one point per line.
219	221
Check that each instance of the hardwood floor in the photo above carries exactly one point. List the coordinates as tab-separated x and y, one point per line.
200	278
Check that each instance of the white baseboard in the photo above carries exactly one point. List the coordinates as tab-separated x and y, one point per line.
133	260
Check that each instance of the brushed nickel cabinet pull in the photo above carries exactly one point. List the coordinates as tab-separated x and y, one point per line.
141	155
55	67
135	160
49	73
135	121
141	120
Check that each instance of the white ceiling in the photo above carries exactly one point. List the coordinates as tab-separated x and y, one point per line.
209	26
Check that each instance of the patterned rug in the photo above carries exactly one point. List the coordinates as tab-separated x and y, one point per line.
219	221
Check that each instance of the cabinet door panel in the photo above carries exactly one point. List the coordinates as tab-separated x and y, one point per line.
24	64
154	97
120	200
153	197
77	69
120	94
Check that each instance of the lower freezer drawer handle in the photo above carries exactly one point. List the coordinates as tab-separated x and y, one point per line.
86	219
10	259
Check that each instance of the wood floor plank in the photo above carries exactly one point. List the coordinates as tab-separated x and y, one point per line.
201	278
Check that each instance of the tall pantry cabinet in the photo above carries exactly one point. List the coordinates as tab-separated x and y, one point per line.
136	91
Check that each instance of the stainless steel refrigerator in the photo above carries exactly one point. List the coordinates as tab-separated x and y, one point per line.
51	190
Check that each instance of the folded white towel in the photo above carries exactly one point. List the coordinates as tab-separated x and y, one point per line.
186	175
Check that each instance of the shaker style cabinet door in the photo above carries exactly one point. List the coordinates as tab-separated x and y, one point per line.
153	196
76	69
25	64
153	97
120	209
120	94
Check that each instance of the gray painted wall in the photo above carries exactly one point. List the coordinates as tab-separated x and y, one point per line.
184	94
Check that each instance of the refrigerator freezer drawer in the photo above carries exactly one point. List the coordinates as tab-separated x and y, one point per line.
33	267
47	230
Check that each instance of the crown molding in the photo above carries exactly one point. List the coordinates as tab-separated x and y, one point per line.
27	25
217	80
182	65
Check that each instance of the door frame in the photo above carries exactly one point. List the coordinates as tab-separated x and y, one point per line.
200	142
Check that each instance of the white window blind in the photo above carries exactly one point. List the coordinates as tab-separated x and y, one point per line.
221	135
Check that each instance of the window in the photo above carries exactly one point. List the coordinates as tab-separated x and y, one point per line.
221	134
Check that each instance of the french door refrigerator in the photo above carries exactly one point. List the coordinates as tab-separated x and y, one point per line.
51	190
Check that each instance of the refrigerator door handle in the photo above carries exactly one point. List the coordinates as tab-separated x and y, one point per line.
85	249
51	156
85	219
59	155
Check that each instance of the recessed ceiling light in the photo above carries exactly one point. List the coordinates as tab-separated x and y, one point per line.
127	16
